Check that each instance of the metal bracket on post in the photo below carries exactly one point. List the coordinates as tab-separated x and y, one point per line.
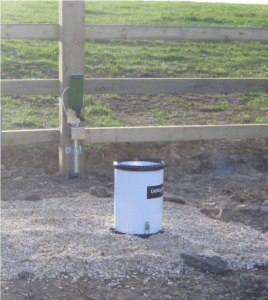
77	133
72	150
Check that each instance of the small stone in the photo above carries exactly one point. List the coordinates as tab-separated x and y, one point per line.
15	169
33	198
234	159
100	191
60	287
17	178
57	174
6	173
175	199
210	205
253	178
245	120
3	167
254	208
214	212
111	184
30	295
238	198
24	275
174	156
265	203
215	264
226	192
170	178
202	149
248	190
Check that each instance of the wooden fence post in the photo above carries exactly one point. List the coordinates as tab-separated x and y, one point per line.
71	61
1	118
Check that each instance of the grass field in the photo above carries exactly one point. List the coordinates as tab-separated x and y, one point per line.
126	58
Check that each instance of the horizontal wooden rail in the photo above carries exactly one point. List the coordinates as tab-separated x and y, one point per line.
30	31
158	32
139	134
174	85
12	87
30	137
27	87
166	32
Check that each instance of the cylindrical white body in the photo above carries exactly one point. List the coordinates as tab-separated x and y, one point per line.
138	195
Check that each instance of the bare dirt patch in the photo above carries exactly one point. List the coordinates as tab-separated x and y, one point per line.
191	175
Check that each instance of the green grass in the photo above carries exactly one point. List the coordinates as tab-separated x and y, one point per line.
129	58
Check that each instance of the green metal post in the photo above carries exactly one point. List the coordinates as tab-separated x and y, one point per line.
76	91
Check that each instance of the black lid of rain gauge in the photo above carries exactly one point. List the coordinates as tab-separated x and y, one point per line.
121	164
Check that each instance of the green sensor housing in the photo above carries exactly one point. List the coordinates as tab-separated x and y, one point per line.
76	91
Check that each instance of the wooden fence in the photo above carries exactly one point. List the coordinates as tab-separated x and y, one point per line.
72	32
